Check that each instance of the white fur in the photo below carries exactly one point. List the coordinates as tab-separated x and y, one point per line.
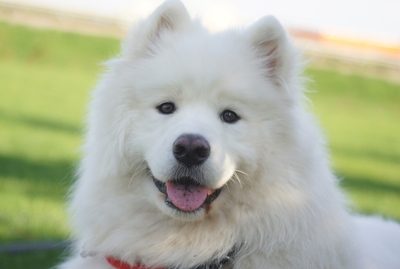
280	201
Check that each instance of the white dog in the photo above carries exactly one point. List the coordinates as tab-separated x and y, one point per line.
200	154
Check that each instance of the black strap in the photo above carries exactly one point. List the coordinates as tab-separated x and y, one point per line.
219	263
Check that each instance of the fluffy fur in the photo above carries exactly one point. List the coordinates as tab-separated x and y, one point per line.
279	203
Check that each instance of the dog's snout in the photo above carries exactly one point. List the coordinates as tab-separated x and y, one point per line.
191	149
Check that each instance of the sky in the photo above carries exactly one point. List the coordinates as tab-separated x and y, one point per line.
377	20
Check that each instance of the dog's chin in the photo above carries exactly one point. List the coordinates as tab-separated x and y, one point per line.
184	198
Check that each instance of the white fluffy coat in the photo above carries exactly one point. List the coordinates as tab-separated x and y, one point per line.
280	202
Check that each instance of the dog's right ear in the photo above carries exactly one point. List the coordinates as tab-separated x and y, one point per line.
171	16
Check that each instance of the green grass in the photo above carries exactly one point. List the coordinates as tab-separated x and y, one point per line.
45	78
361	119
32	260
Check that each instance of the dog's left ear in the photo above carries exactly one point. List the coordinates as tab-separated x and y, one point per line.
169	17
273	48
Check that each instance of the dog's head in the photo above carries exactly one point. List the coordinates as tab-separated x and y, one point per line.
195	115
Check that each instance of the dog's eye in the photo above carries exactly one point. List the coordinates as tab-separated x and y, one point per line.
166	108
229	116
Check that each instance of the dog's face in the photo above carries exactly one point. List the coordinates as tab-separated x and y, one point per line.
199	109
196	128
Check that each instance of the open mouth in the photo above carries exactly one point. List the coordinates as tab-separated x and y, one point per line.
186	194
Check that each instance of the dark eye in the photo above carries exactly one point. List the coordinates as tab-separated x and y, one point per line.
229	116
166	108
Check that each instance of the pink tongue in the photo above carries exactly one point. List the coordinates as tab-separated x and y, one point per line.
186	197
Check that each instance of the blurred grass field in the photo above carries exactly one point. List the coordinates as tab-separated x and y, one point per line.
45	79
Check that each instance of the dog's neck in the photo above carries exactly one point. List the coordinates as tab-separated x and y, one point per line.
224	262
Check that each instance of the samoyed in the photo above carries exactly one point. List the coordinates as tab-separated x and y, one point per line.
200	154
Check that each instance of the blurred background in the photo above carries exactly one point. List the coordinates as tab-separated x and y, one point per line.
50	57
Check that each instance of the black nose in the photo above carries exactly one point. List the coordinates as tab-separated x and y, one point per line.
191	149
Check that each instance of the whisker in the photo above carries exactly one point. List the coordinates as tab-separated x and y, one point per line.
241	172
237	178
137	170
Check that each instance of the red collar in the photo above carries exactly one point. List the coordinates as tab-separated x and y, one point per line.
118	264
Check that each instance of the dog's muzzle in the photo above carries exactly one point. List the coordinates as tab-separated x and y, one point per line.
186	190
